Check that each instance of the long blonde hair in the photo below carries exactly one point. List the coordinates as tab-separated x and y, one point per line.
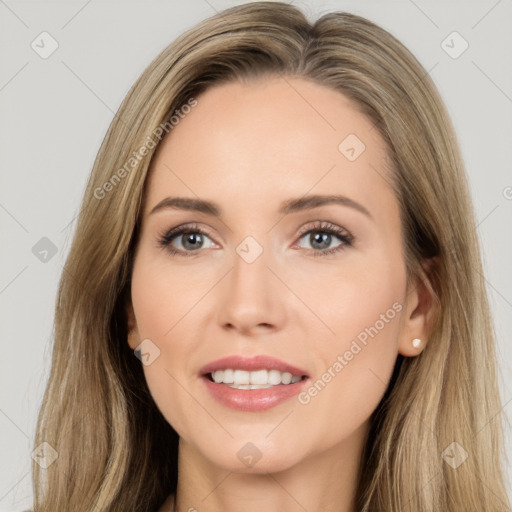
115	451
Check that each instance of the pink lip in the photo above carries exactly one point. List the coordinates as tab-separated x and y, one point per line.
251	364
251	400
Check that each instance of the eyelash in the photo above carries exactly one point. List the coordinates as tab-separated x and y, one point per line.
165	238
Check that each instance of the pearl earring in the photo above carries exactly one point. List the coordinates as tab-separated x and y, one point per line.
416	342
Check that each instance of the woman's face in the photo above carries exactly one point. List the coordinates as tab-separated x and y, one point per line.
274	270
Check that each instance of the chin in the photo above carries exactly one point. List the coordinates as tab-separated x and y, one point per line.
255	454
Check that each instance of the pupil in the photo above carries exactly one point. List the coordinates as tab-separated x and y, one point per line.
325	237
193	239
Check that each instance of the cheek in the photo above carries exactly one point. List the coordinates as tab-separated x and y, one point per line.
367	319
359	296
164	294
164	301
155	296
363	308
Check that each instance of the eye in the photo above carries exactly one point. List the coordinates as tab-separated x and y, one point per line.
191	238
321	235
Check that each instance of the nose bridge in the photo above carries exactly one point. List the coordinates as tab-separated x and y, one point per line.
250	272
251	295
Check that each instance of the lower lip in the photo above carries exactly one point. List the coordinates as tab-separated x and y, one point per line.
252	400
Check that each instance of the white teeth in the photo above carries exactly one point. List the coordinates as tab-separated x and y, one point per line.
258	379
229	377
218	376
241	377
274	377
286	378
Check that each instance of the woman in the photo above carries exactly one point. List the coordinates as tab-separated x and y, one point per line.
266	376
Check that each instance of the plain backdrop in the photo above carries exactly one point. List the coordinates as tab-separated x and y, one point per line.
55	110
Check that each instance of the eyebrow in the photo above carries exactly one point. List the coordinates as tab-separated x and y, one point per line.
287	207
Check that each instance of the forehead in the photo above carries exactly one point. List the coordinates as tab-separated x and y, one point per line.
253	144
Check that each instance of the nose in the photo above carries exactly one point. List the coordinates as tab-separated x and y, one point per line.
253	299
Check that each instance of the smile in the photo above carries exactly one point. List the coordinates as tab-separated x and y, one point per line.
252	384
259	379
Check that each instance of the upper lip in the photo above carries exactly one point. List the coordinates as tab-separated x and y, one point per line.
251	364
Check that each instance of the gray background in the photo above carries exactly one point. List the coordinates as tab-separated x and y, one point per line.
55	112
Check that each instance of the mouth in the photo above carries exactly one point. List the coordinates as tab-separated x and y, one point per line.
252	383
258	371
258	379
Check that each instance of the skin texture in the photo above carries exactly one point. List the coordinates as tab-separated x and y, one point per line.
248	147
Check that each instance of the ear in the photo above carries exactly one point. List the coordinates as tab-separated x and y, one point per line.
419	311
133	333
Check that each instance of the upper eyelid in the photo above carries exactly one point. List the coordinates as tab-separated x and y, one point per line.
320	225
